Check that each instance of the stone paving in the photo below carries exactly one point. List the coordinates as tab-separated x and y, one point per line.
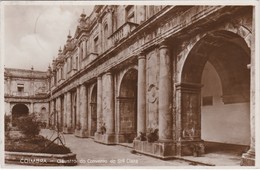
90	153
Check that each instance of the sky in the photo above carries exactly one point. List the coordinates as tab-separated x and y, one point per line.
33	34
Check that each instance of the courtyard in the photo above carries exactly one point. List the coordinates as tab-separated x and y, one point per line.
90	153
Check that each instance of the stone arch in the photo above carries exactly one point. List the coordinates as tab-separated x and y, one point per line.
19	110
122	75
127	102
229	54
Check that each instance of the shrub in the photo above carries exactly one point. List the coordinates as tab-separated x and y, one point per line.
28	125
152	135
7	125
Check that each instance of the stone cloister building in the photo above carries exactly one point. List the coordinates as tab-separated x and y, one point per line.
187	71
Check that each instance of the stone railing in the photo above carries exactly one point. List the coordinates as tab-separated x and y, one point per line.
122	32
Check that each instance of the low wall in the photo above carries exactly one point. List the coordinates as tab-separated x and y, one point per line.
40	159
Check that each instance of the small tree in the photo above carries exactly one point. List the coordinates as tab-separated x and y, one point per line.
7	125
28	125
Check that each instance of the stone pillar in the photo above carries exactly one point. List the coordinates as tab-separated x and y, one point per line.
141	96
248	159
108	104
107	109
58	113
31	108
51	114
69	113
99	103
83	112
65	112
78	125
165	91
188	119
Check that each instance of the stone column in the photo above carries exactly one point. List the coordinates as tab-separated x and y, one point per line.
248	159
165	91
141	96
58	113
78	125
99	103
51	115
83	112
108	104
31	109
69	113
65	112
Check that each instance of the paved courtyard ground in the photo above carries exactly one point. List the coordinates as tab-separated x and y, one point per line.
90	153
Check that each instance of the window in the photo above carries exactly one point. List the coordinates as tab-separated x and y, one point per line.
130	15
20	88
96	45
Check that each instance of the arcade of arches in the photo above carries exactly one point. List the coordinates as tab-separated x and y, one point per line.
192	89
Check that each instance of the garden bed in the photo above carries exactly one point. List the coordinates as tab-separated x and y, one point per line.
34	151
35	144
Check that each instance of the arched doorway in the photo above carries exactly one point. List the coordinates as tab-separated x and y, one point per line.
215	91
128	106
93	107
18	111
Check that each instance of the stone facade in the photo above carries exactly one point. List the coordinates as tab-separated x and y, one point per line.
26	92
131	69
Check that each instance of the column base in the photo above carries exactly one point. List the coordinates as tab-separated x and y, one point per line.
162	150
67	130
108	139
248	159
190	148
125	138
83	133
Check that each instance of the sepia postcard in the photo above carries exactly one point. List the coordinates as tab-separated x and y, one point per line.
133	84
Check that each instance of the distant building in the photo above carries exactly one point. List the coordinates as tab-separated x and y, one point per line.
187	71
26	91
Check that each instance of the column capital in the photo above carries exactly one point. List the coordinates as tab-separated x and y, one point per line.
163	44
108	73
99	77
141	55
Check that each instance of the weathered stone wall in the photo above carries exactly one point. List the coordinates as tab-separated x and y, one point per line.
152	88
225	123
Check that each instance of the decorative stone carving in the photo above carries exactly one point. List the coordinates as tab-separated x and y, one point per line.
152	93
